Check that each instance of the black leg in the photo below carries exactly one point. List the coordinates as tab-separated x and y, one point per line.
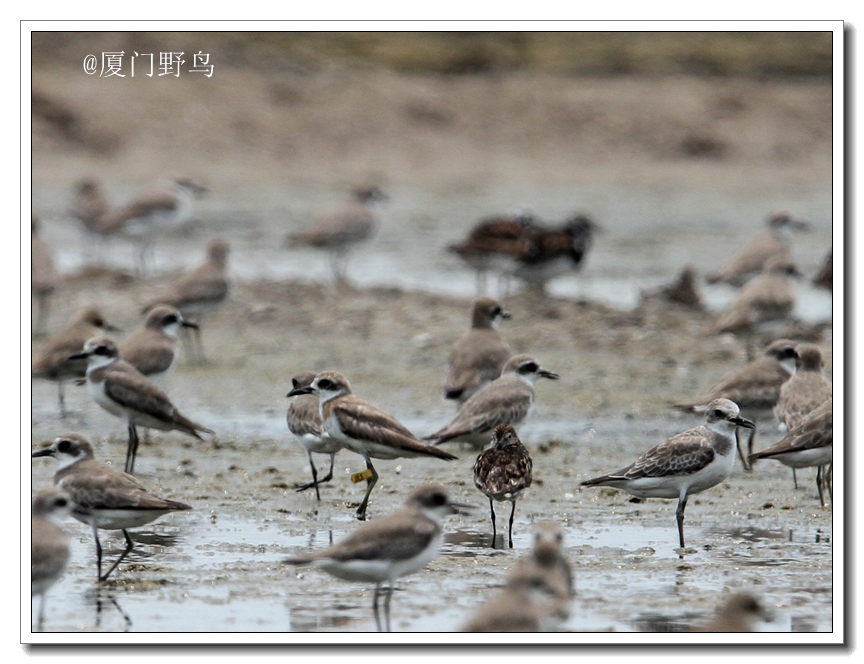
795	478
98	554
361	511
62	397
132	449
375	606
129	547
820	482
387	604
315	481
492	509
40	621
679	515
510	528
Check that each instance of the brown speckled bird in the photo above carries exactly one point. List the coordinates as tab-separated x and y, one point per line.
503	471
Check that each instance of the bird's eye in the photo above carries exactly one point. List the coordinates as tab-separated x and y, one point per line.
101	350
718	413
559	537
325	384
529	367
170	319
61	502
496	311
439	499
63	446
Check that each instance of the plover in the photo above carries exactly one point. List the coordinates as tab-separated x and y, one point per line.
555	251
102	496
502	472
547	557
199	292
44	277
304	421
164	209
53	363
530	601
393	546
767	298
755	387
508	399
152	349
494	243
740	612
340	229
90	207
364	429
687	463
49	544
126	393
806	390
809	443
478	357
682	291
825	277
750	261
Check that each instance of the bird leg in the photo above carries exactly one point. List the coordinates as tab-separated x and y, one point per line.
98	554
492	509
375	606
361	510
41	619
679	515
61	396
510	529
387	604
129	547
314	481
132	449
795	478
820	484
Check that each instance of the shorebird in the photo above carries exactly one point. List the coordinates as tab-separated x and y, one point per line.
126	393
555	251
687	463
478	357
102	496
44	277
502	472
304	421
340	229
535	598
493	244
750	261
53	363
199	292
825	277
508	399
391	547
767	298
152	349
49	544
805	391
808	443
164	209
90	207
755	387
547	558
682	291
741	612
364	429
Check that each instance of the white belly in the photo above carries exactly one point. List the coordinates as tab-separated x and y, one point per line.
807	458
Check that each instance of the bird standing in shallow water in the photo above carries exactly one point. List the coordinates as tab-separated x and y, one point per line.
390	547
49	544
687	463
502	472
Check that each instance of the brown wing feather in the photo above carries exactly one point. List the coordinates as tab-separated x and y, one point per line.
814	431
484	411
498	472
304	416
364	421
105	487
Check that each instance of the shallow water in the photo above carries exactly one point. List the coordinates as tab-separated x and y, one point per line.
218	568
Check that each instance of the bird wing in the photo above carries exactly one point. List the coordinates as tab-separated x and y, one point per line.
498	472
814	431
104	487
132	390
686	453
484	411
363	421
400	536
304	416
